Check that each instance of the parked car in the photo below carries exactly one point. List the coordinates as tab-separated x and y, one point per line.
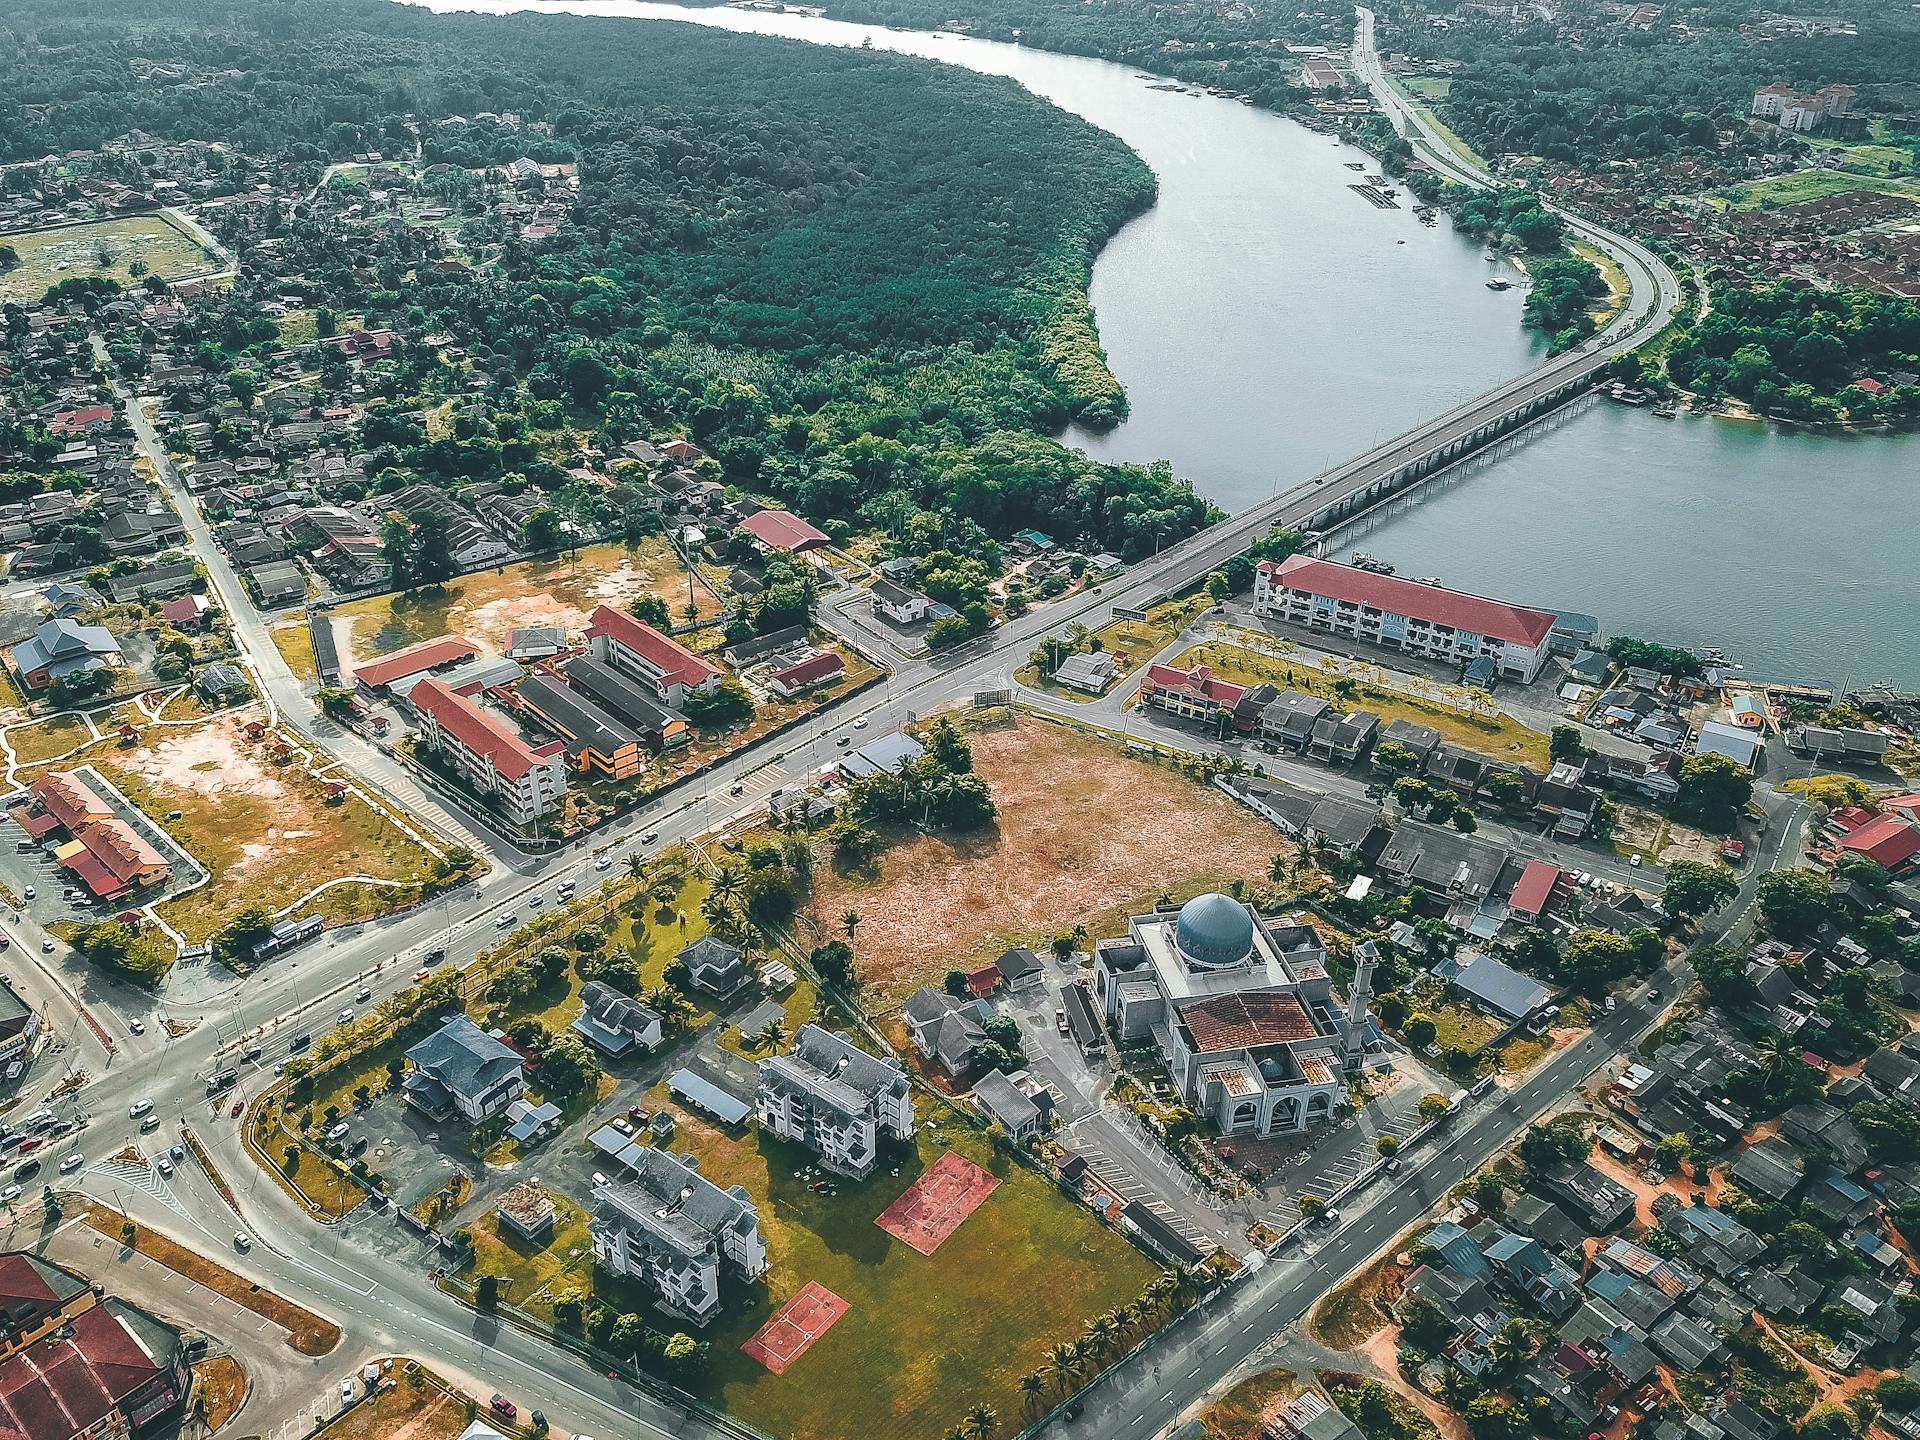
28	892
500	1405
10	1194
46	948
164	1166
137	1026
72	1162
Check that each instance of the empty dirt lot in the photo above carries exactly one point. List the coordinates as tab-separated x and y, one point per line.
1054	859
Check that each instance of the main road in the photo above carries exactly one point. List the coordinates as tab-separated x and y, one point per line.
299	994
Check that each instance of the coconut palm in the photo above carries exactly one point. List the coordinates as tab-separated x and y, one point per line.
1064	1361
1032	1386
980	1421
726	882
636	865
771	1033
850	922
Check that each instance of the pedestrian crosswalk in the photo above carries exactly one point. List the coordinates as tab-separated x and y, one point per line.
126	1175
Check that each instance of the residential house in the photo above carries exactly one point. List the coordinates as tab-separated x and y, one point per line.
616	1024
1004	1103
1769	1170
1290	717
816	670
1090	672
1491	986
715	968
944	1028
462	1070
61	648
899	604
1598	1200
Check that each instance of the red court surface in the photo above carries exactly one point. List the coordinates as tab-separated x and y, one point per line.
795	1326
935	1204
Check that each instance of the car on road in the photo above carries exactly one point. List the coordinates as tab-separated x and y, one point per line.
28	892
46	948
139	1108
236	1107
299	1043
507	921
241	1242
138	1027
844	740
72	1162
861	723
345	1017
1394	1165
5	941
362	995
421	974
603	862
650	837
150	1124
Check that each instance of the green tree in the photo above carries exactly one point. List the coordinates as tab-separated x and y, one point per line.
1794	903
1694	888
1713	790
1564	743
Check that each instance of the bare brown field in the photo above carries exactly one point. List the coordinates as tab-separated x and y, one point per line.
1085	835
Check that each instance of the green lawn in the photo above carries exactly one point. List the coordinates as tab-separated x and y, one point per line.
1868	159
925	1337
102	247
1809	185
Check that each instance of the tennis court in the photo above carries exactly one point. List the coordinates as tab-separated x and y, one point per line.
794	1327
935	1204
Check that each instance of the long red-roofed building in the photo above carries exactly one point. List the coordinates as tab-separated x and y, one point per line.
1886	840
110	856
526	780
783	530
1427	620
659	662
75	1365
436	654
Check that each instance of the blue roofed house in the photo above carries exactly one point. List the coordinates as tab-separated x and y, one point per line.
461	1069
69	601
59	648
1487	984
1549	1281
615	1024
1457	1248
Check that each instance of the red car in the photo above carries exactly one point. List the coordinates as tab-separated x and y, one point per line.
31	1143
500	1405
238	1106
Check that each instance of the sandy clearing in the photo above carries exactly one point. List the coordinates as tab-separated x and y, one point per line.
1082	833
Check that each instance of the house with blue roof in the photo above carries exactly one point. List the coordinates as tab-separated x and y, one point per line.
1540	1275
60	647
1458	1249
461	1069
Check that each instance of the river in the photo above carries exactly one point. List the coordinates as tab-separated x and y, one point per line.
1267	322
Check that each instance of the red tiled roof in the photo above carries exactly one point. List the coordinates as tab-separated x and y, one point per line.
1515	624
428	655
1886	839
1229	1022
183	609
55	1391
69	421
1530	896
69	799
1196	682
674	661
782	530
480	732
121	849
813	668
96	877
1851	817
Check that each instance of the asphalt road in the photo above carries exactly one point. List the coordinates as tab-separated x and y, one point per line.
398	1310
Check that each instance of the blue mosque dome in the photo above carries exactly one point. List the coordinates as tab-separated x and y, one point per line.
1214	929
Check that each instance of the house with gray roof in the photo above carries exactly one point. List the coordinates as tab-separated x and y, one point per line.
59	648
1492	986
1770	1170
945	1029
461	1069
615	1024
834	1098
1007	1105
675	1232
1596	1198
715	968
1545	1221
1687	1343
1713	1239
1290	716
1535	1271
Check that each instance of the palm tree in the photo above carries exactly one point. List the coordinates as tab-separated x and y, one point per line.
1187	1281
1064	1361
1032	1386
726	882
636	865
850	922
980	1421
771	1033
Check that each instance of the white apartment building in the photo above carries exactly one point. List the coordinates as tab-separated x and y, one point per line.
1791	109
525	780
1426	620
836	1099
676	1232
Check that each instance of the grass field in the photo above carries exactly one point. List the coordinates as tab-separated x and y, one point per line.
418	1412
926	1336
1052	861
1809	185
1428	87
486	605
1503	737
1879	160
1618	286
294	641
50	256
263	831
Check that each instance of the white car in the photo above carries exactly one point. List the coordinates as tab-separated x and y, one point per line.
346	1392
138	1027
9	1195
507	921
241	1243
28	892
72	1162
345	1017
861	723
598	1178
164	1166
365	994
139	1108
603	862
